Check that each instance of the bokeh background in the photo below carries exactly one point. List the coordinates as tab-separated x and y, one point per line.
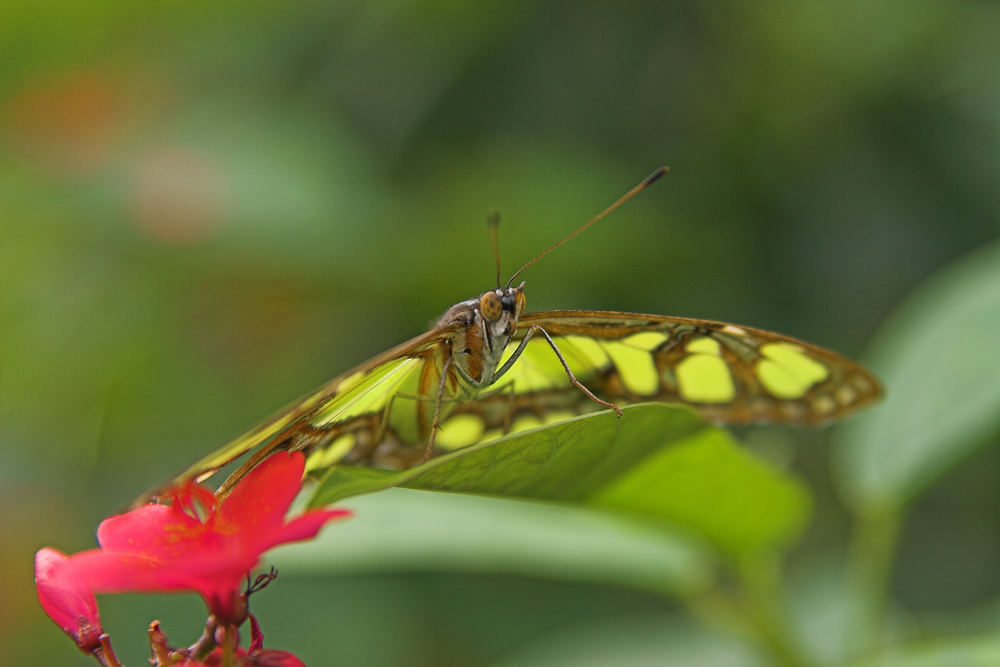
208	208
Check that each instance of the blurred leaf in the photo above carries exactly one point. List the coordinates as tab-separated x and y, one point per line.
657	461
936	355
820	610
976	651
402	529
637	641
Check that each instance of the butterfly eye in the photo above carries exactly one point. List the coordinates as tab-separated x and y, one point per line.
491	306
521	301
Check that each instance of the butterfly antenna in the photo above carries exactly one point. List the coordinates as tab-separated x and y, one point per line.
649	180
493	223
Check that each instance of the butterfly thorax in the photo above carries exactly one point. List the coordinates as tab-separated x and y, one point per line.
484	326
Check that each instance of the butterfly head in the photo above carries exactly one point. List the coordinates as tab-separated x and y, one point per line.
501	307
481	330
494	303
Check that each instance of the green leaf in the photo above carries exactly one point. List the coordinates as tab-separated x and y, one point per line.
657	462
404	529
937	356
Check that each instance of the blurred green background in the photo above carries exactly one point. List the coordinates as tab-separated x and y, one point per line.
207	210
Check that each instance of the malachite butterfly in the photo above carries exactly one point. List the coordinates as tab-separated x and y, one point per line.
487	368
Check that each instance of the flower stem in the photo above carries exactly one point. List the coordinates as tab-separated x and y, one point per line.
206	642
872	550
754	612
228	641
765	608
104	654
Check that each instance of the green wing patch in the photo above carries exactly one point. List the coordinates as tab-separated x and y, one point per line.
377	412
732	374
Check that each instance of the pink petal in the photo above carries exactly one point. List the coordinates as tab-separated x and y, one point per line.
67	601
150	528
112	572
257	505
306	526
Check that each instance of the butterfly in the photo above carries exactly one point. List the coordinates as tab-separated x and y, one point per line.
488	368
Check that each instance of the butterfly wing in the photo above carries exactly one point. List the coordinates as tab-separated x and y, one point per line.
380	412
732	374
350	416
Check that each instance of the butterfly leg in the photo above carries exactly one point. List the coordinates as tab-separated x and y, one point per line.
532	330
508	416
383	421
436	422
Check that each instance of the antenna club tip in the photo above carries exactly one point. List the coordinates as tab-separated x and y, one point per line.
655	175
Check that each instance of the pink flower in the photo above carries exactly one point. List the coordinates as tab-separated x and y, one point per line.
72	609
197	543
